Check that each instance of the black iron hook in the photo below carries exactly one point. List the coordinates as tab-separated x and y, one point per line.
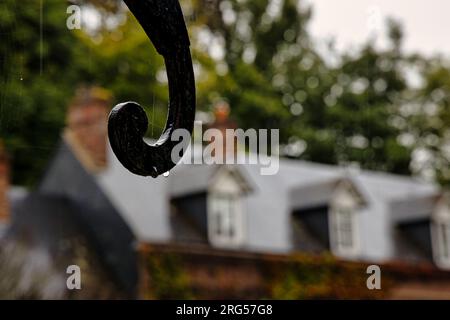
164	24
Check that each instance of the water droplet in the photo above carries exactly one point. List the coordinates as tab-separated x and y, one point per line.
166	174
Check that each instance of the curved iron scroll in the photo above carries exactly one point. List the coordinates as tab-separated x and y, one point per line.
164	24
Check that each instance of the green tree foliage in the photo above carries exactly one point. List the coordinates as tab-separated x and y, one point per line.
276	79
43	64
424	118
128	65
39	64
257	54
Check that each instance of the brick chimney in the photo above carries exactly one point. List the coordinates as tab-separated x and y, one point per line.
222	122
86	127
4	186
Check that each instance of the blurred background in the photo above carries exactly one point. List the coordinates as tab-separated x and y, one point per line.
360	93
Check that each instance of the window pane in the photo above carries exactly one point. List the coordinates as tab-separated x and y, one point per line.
224	215
218	224
344	228
231	219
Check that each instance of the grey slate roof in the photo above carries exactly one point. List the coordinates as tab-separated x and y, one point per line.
49	220
66	178
143	202
309	183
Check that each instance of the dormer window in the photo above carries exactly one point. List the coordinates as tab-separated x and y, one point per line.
344	229
344	220
225	219
441	234
225	209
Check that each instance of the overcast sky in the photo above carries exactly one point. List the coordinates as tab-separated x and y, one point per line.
426	22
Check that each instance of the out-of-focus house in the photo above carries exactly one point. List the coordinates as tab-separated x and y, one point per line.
307	207
359	216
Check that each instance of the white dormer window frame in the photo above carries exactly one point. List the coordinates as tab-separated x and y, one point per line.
225	211
225	223
440	230
344	221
